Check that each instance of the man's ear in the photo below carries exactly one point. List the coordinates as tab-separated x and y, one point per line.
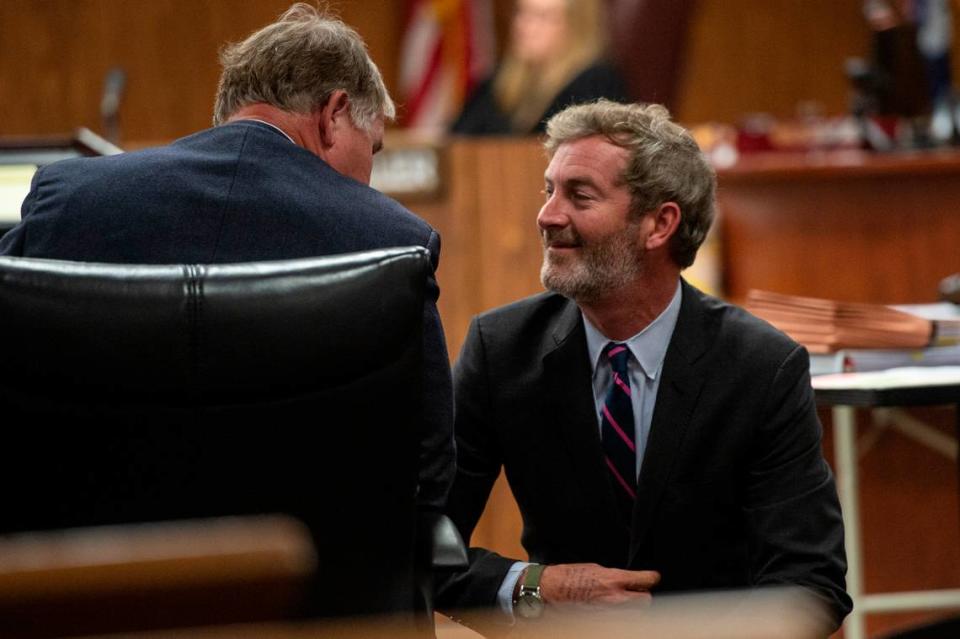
666	220
333	115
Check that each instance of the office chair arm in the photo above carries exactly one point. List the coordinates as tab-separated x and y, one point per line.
440	541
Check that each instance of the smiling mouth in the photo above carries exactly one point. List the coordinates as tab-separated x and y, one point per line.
560	240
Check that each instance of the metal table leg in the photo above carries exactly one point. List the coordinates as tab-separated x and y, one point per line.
845	456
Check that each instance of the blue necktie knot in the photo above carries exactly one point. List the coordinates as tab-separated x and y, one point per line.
618	354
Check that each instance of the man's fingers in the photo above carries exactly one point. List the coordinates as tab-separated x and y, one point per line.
594	584
634	579
641	579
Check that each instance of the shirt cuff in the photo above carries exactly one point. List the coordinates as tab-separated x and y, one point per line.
509	585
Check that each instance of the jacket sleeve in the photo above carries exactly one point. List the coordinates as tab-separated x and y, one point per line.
478	464
437	450
793	516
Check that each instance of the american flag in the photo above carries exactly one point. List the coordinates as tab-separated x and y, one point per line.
448	47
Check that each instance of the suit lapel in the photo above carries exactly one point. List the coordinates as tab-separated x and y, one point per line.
676	401
569	384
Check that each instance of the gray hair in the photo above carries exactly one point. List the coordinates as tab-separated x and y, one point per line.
296	63
665	164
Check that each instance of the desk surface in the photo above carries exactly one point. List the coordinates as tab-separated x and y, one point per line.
841	164
910	386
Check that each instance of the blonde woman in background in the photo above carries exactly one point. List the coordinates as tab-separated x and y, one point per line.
555	59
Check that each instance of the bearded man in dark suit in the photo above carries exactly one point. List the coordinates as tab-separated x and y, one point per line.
656	439
299	113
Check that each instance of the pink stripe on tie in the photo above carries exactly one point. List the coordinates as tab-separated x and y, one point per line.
616	349
619	382
623	482
619	430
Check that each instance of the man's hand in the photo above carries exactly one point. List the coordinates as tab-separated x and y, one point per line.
595	586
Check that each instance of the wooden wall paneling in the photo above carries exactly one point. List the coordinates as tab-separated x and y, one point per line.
510	185
747	57
876	229
455	217
57	52
34	71
501	525
171	66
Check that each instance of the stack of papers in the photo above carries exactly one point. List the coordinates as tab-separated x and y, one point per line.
945	317
826	326
892	378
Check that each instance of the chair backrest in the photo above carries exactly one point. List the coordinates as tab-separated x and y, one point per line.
150	393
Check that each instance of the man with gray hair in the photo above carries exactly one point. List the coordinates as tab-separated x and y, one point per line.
285	173
656	439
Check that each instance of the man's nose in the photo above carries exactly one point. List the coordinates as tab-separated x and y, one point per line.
552	215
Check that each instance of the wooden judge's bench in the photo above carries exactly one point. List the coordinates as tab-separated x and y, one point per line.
847	224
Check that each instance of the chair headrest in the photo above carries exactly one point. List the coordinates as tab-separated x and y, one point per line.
215	331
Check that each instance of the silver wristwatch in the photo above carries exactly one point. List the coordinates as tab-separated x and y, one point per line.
529	602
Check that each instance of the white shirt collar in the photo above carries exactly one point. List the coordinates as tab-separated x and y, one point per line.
272	126
649	346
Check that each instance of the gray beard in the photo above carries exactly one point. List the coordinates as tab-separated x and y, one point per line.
600	269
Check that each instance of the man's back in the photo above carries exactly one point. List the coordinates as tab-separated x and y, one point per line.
237	192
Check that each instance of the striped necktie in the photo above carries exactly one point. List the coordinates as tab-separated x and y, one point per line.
617	430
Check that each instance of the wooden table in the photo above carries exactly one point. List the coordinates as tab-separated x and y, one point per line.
913	387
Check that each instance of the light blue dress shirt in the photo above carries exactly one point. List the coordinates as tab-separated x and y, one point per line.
648	349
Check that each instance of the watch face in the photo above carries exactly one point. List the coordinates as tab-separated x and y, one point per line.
529	605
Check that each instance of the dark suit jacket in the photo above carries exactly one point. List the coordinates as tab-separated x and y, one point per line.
235	193
733	490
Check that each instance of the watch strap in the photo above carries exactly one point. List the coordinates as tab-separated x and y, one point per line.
531	577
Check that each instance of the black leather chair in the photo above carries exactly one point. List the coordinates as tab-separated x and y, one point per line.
153	393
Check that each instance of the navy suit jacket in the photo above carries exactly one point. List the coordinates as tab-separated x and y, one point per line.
733	492
239	192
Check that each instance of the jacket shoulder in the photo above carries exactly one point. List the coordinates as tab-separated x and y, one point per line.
535	309
534	324
738	332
